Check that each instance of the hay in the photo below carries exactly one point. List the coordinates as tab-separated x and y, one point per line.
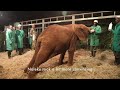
84	67
1	71
104	55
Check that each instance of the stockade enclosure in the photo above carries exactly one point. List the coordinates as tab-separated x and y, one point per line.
104	18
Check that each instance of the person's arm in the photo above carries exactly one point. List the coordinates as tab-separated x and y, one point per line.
16	36
22	33
31	32
92	30
118	30
113	31
98	30
10	37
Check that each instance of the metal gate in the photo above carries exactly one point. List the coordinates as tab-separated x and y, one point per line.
38	30
71	18
68	19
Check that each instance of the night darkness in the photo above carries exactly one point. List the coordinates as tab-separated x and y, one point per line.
9	17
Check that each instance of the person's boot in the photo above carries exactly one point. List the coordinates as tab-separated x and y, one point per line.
16	50
9	54
117	62
20	51
91	54
9	57
94	54
30	47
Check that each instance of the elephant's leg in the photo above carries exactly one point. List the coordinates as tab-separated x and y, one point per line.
71	55
42	56
61	58
33	58
71	50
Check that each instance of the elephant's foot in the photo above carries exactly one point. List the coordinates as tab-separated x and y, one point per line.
26	70
69	64
60	63
56	64
32	74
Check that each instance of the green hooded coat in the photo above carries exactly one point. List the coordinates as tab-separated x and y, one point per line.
9	40
20	35
116	38
94	37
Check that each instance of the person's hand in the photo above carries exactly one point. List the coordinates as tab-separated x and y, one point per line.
92	30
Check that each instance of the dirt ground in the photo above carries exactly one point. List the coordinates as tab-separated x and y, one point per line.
84	67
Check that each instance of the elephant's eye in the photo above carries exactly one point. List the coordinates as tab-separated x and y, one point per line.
83	32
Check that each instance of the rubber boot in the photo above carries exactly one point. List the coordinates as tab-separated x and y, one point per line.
20	51
94	53
9	54
117	61
91	54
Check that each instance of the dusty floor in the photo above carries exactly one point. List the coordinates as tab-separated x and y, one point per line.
84	67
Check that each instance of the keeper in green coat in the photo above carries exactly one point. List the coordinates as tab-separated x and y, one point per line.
9	41
116	40
94	37
20	36
14	38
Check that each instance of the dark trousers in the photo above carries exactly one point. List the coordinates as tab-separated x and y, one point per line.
9	53
93	50
1	46
117	58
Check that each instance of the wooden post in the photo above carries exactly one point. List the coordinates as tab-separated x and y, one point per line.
22	25
43	24
73	19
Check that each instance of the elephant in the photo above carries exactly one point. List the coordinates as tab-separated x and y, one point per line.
57	39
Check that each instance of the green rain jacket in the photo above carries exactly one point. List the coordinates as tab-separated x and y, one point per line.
94	37
14	38
19	40
116	38
9	41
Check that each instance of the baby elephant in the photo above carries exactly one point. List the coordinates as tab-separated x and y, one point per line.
54	40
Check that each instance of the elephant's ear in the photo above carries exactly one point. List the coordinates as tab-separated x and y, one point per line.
82	32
